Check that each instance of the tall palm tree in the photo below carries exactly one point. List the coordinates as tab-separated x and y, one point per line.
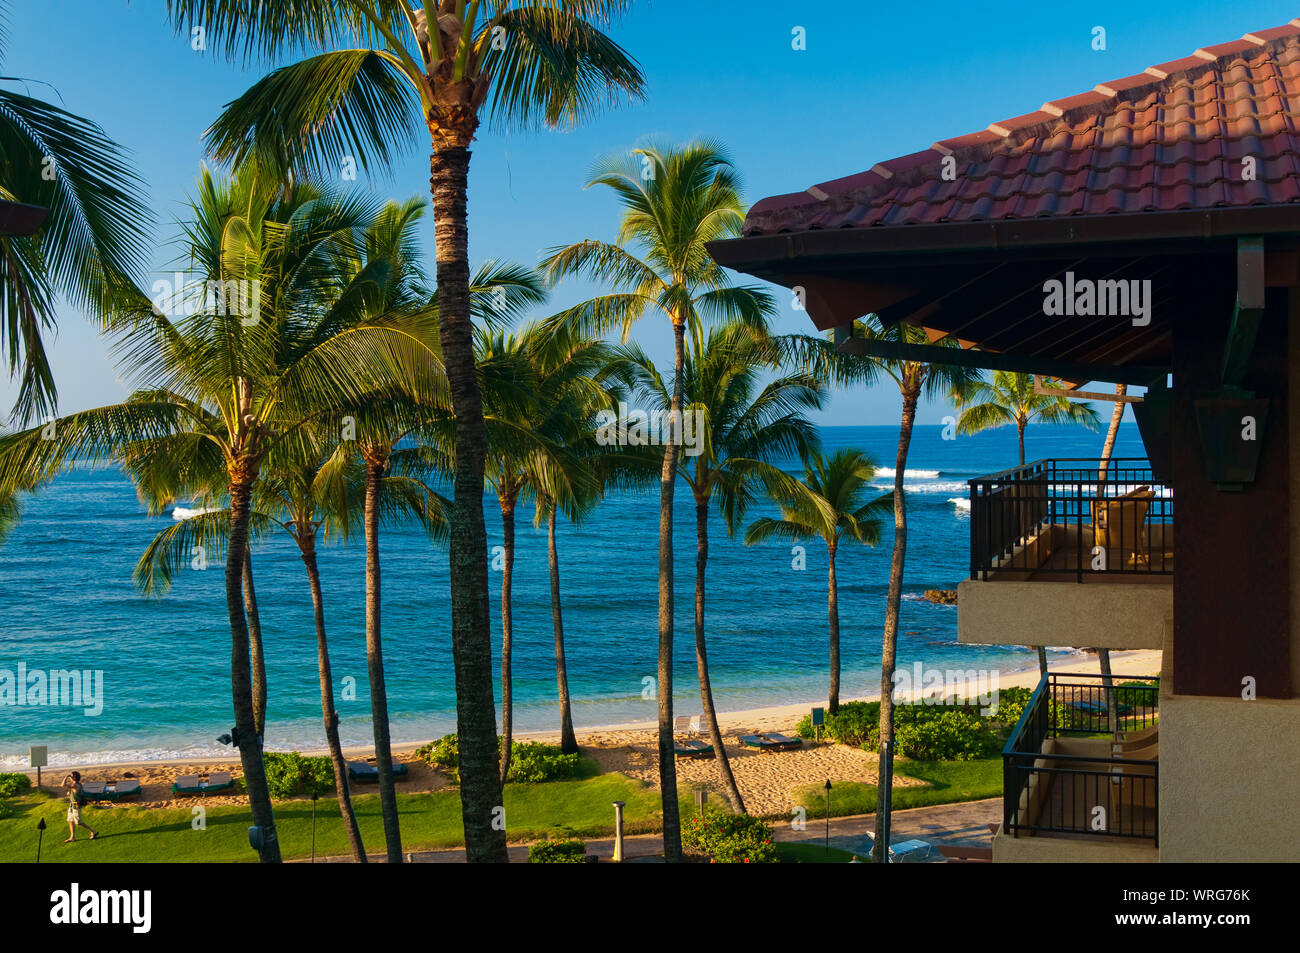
94	240
743	426
312	500
247	375
1012	399
1107	449
832	506
385	75
675	200
913	379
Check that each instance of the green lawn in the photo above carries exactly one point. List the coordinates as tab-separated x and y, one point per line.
946	782
581	808
815	854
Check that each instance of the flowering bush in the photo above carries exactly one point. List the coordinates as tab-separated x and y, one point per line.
729	838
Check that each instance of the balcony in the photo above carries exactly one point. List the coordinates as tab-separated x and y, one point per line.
1061	557
1081	773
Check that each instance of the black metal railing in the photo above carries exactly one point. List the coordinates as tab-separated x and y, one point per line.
1103	786
1059	518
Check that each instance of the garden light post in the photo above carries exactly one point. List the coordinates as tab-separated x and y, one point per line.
618	831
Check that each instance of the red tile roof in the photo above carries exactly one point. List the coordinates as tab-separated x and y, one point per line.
1172	137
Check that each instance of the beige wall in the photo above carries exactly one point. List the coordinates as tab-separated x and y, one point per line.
1229	779
1061	850
1098	615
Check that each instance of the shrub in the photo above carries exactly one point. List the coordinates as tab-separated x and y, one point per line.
729	838
856	723
530	762
443	753
535	762
557	852
939	734
291	774
12	785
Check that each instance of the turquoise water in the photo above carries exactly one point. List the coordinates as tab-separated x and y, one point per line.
67	601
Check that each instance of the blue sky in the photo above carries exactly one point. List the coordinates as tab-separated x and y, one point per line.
876	81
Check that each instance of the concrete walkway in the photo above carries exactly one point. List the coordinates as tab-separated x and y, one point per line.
965	823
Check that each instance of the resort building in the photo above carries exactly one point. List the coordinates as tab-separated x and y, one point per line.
1144	232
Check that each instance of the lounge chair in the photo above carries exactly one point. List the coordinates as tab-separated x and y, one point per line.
111	790
1120	523
1133	785
770	741
369	771
193	784
902	851
690	746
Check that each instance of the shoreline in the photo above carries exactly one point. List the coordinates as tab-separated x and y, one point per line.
770	718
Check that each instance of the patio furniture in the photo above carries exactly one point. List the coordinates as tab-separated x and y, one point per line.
194	784
369	771
689	746
111	790
902	851
1120	523
770	741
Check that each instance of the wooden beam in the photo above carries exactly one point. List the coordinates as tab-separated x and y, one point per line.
1018	363
1247	311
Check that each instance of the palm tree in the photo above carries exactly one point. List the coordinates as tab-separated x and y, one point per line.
246	373
10	513
1107	449
743	425
1012	399
832	506
913	379
675	200
384	76
527	447
93	241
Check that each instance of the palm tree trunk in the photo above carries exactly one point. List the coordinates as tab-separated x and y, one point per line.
664	684
255	647
702	660
507	578
375	666
1108	448
833	611
568	740
250	747
1042	660
471	632
307	546
1020	439
889	648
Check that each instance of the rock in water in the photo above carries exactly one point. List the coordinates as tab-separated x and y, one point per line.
944	597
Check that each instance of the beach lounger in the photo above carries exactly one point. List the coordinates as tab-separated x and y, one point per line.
690	746
771	741
369	771
110	790
902	851
193	784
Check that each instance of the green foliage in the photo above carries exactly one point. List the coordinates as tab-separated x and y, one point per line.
1138	694
856	723
945	734
288	775
12	785
530	762
557	852
729	838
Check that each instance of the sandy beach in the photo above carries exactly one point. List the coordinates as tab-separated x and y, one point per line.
765	779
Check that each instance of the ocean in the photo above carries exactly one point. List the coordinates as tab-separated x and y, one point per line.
67	602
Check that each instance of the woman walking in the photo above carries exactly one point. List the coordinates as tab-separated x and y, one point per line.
76	797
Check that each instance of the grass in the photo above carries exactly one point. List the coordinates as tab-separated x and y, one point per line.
815	854
946	782
558	809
